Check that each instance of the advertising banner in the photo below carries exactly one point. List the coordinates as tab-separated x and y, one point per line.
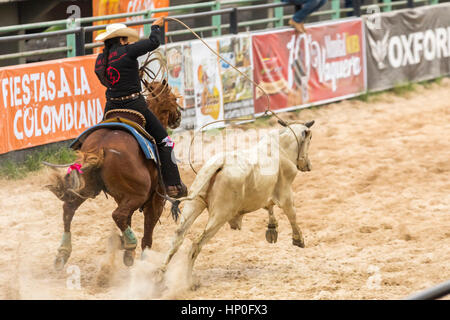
237	90
181	80
324	64
407	45
207	84
48	102
209	89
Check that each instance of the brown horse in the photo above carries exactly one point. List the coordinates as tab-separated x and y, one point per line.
113	162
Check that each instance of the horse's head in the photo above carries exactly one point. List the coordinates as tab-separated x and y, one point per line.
163	103
304	135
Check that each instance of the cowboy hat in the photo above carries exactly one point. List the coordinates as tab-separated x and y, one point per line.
118	30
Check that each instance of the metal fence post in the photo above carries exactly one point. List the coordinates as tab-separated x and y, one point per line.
147	26
388	6
410	3
234	21
163	33
336	7
80	42
357	8
71	38
217	20
279	13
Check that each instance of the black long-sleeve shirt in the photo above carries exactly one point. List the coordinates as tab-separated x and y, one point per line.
122	76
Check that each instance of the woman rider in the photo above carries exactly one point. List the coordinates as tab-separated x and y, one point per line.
118	70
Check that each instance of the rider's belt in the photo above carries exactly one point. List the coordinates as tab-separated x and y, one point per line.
131	96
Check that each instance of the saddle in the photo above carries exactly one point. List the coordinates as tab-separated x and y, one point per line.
128	120
130	117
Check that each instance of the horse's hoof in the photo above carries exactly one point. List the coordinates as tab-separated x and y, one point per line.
128	257
61	258
271	235
298	242
59	263
143	256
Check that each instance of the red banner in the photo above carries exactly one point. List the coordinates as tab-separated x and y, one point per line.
325	63
48	102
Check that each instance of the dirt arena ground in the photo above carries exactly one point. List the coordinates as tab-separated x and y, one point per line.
375	213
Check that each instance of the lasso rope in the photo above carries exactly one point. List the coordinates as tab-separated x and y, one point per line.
163	70
268	110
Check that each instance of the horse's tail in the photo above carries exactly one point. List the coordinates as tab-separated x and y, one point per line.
201	184
68	186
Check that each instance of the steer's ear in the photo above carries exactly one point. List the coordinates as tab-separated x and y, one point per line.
309	124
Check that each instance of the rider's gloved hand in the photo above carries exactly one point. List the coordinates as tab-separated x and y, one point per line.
159	22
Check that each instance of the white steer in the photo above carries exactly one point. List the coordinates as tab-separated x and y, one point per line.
231	184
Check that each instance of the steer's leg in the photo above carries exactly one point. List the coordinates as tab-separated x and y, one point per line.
217	218
288	208
192	209
271	232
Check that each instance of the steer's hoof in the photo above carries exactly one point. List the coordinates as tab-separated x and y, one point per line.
298	242
195	285
128	257
159	275
271	235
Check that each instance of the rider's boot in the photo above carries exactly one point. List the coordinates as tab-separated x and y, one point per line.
175	188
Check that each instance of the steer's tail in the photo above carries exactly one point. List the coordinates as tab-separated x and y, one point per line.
201	183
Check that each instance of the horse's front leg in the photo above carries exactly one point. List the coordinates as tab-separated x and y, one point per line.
65	249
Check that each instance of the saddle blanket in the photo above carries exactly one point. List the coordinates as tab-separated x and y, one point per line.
146	146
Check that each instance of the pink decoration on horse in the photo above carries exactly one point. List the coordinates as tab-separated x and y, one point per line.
75	166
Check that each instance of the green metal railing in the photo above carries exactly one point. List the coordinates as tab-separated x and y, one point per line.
75	30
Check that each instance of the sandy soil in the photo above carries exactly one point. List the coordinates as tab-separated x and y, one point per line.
375	213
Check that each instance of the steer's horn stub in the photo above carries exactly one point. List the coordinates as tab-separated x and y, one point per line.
309	124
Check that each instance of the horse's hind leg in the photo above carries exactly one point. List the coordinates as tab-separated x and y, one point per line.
152	213
121	217
65	249
271	232
191	211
